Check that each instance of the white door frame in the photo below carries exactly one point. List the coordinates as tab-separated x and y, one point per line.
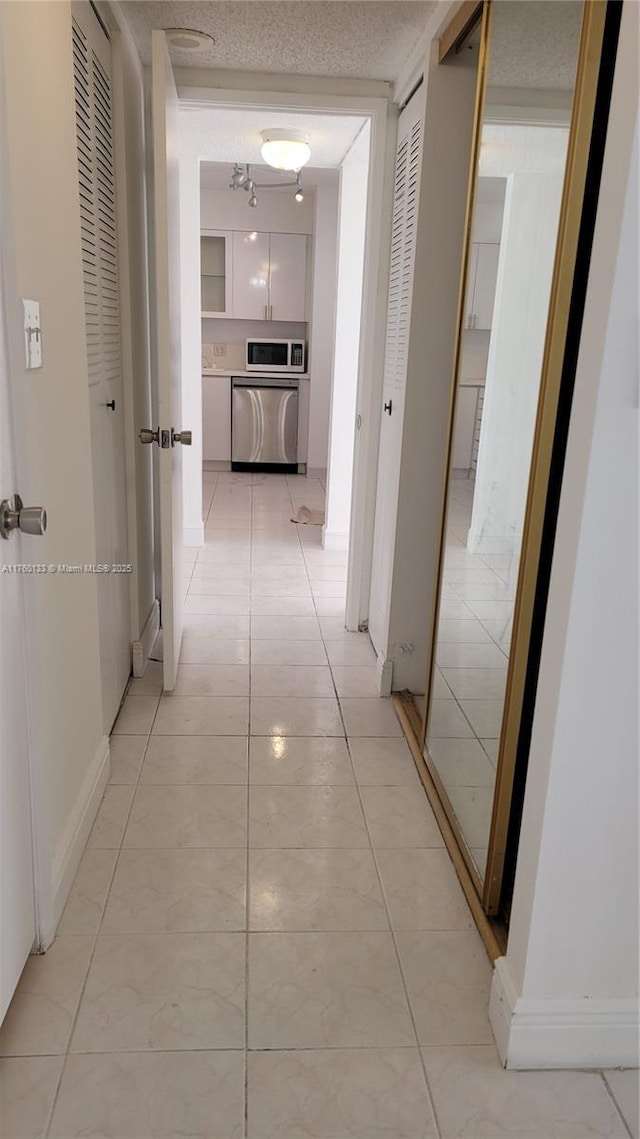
381	113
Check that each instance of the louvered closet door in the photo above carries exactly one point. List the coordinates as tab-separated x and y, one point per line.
96	185
403	245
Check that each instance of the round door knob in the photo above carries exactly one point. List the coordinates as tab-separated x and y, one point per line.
32	520
15	516
184	437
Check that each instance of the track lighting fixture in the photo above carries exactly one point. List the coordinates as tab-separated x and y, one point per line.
241	179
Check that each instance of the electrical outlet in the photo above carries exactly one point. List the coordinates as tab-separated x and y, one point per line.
219	349
32	334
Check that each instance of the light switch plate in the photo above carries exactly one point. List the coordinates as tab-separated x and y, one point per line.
32	334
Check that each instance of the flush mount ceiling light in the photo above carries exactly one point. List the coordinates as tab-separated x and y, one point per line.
188	39
285	149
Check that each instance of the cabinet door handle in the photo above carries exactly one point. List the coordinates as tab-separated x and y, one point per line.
270	312
265	312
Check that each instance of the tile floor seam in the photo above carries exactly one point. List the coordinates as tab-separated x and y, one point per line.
397	954
74	1022
247	899
615	1102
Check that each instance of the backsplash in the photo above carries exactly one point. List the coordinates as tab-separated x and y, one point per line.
229	338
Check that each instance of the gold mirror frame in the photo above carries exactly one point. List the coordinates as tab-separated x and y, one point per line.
581	127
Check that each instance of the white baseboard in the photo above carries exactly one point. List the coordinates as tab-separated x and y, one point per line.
74	839
140	650
581	1033
384	675
193	535
335	539
216	465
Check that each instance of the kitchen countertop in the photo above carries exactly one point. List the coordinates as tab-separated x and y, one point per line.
256	375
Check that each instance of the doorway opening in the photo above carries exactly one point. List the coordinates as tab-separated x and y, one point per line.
277	274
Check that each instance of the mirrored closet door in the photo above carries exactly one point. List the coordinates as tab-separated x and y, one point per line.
532	134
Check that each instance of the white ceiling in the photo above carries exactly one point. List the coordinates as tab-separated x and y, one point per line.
217	176
350	38
234	135
519	149
534	43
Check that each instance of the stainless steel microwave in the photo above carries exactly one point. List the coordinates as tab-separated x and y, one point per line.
275	355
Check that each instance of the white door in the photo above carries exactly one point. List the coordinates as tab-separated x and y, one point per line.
403	241
96	185
287	276
167	368
484	294
17	906
250	276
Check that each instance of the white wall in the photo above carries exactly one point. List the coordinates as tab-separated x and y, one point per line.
190	345
354	175
525	271
233	334
69	751
566	992
276	211
325	251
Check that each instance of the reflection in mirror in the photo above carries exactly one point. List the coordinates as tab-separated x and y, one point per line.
516	209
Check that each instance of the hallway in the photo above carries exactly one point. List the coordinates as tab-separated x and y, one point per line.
266	937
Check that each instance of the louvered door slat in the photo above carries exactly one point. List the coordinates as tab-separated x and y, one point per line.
96	188
403	235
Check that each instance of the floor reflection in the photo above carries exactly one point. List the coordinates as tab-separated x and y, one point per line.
474	635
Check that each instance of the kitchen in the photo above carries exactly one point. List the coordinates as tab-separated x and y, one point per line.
261	271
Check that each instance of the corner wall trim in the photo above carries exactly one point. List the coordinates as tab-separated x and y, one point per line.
335	540
140	650
580	1033
193	535
74	839
317	473
384	675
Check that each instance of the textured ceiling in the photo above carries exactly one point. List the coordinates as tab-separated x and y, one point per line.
217	175
517	149
234	135
534	43
368	40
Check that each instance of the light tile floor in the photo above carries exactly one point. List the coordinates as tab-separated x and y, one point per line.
266	937
472	655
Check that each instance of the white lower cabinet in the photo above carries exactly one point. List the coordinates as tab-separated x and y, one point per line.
464	427
216	419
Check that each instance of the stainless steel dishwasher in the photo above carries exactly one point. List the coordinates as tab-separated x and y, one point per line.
264	423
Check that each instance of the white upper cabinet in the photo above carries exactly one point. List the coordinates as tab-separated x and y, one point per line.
215	273
269	276
250	275
288	276
481	287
